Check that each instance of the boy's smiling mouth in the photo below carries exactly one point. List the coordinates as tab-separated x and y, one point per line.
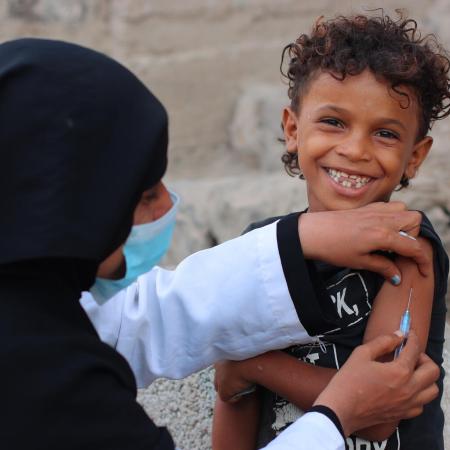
346	180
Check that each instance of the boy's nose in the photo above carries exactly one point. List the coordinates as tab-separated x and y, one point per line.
355	149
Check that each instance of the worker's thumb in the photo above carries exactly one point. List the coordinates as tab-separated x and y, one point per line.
411	351
383	345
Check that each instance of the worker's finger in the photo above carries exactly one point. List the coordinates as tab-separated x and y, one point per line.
408	221
387	207
409	356
427	372
395	216
383	266
410	413
425	396
383	345
423	359
411	232
404	246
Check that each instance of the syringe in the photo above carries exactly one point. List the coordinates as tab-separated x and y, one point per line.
405	324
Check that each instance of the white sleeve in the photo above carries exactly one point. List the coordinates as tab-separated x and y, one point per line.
227	302
313	431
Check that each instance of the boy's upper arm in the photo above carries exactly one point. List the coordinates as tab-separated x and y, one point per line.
391	301
390	304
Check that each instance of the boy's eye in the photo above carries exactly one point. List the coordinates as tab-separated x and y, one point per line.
331	121
387	134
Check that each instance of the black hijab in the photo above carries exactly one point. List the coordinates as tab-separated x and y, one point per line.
80	139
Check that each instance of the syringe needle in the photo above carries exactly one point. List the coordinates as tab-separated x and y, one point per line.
409	299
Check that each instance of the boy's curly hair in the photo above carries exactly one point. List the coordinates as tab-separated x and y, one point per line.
391	49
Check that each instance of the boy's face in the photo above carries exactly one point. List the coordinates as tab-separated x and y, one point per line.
355	139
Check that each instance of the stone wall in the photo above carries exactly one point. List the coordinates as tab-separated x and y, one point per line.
214	64
199	56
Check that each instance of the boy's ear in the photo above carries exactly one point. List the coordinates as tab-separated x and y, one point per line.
418	155
290	128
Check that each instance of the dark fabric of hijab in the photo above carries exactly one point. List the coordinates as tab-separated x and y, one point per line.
80	139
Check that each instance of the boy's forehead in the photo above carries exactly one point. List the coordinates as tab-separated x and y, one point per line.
362	93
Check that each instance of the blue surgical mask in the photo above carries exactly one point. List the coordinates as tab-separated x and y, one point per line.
144	248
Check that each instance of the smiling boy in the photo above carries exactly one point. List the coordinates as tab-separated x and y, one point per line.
364	93
354	140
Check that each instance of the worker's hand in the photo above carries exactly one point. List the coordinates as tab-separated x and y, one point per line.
349	238
230	380
366	392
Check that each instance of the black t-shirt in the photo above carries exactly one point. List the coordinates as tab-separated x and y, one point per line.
344	298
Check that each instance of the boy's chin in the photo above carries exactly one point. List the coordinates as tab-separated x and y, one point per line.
343	203
346	203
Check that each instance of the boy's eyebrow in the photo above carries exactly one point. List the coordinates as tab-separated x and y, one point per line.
388	120
338	109
382	120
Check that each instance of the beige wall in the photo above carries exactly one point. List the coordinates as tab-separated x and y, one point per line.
198	56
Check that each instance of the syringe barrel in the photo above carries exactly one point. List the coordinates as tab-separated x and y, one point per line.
405	323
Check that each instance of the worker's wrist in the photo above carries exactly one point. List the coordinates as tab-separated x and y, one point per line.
341	408
328	412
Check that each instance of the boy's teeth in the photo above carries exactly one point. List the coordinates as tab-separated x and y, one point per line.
346	180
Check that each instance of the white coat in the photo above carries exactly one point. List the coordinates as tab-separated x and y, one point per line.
226	302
